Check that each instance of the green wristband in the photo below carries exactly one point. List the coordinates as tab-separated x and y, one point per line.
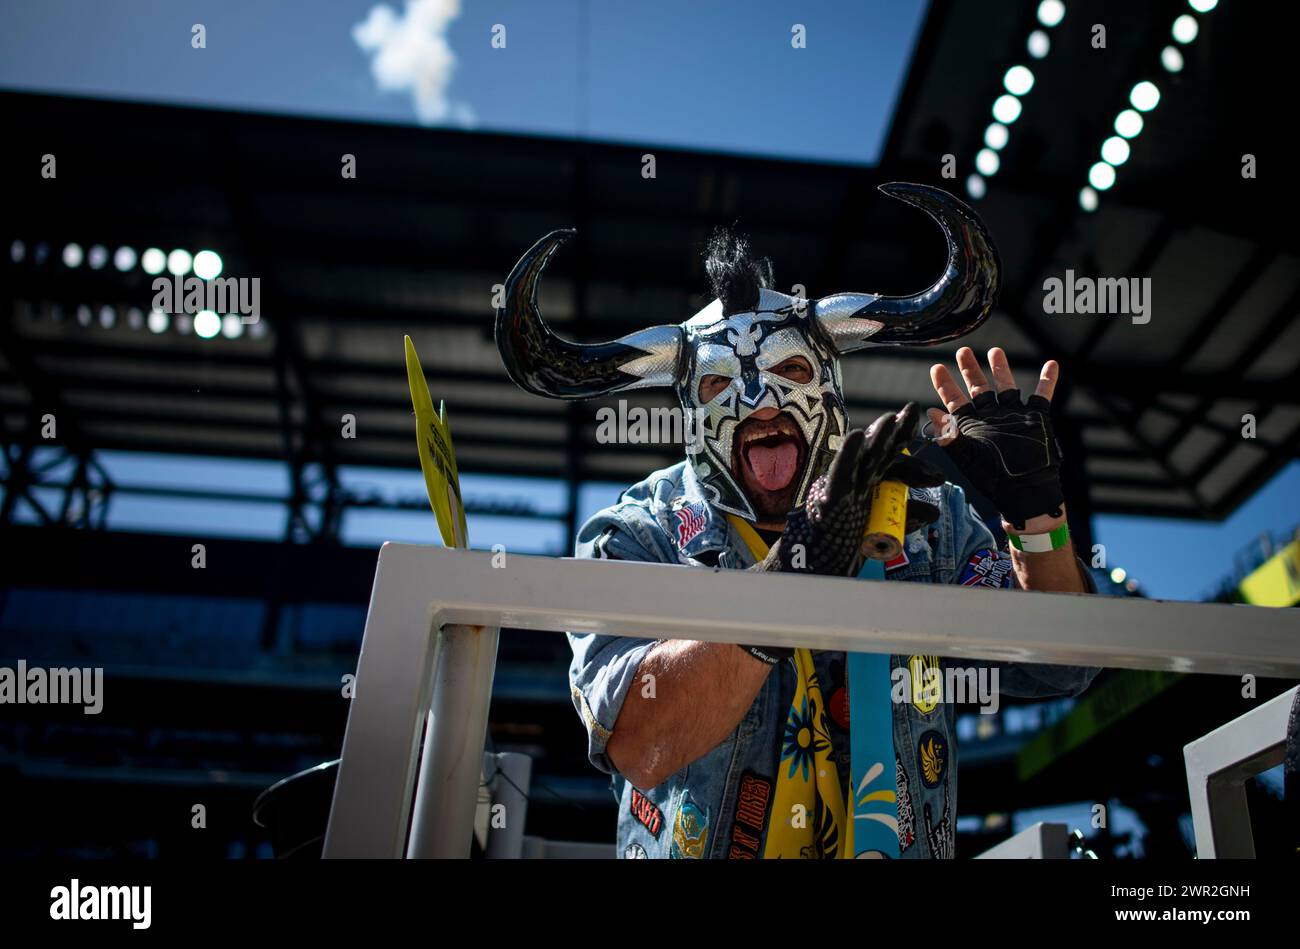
1041	543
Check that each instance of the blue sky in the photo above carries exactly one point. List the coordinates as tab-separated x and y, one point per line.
716	75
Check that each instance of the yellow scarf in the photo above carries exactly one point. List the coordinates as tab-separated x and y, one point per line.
808	814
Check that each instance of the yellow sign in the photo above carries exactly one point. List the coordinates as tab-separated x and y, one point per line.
437	456
1277	581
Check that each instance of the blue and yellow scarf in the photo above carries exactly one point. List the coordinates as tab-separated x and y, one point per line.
809	815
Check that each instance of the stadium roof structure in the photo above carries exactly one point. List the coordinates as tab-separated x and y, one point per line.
434	219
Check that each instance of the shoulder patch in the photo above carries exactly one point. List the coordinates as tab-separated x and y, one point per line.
690	522
987	568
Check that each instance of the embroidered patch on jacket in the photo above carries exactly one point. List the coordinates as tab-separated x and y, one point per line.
644	810
932	755
752	802
690	831
635	851
906	817
939	836
987	568
690	522
927	682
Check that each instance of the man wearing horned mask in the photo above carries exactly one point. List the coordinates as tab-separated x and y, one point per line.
744	751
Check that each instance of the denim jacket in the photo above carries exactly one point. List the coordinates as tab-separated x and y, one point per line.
694	813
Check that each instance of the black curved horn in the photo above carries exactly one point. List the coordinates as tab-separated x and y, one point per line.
958	302
544	364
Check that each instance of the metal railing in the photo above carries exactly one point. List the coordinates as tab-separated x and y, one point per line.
1218	766
429	653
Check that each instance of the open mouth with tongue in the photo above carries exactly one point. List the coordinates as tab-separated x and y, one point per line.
768	455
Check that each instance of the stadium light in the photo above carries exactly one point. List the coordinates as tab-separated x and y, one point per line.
1145	96
207	264
1051	12
1171	59
1088	199
1186	28
976	187
207	324
17	251
1101	176
1202	6
232	327
158	321
1039	45
1115	151
179	262
1006	109
72	255
97	256
153	261
124	259
1018	80
986	160
996	136
1129	123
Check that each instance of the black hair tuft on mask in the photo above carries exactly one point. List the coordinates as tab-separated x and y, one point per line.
735	275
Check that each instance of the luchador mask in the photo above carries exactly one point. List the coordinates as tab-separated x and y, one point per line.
746	344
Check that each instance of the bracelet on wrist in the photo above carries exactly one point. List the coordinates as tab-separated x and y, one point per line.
1041	543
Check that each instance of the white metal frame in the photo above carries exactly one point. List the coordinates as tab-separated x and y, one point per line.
434	603
1040	841
1218	766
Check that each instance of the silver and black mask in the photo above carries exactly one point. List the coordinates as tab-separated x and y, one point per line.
746	340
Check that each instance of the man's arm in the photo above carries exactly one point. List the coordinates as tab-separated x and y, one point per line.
1053	571
701	692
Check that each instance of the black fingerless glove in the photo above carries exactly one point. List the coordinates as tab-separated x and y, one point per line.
825	535
1007	450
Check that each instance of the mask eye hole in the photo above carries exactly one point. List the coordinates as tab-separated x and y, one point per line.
796	369
711	385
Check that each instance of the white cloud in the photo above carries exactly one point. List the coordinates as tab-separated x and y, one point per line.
410	53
